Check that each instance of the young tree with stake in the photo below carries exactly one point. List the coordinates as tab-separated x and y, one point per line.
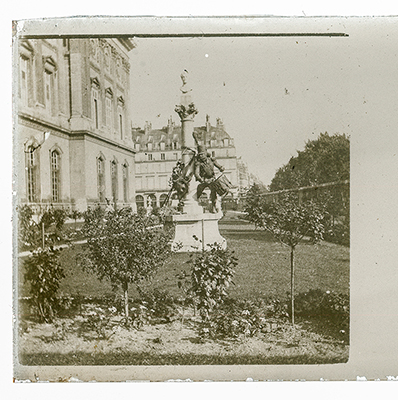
289	221
123	247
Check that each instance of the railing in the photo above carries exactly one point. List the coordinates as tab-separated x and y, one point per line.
306	192
39	208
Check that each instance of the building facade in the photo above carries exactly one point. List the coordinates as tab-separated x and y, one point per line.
158	150
73	135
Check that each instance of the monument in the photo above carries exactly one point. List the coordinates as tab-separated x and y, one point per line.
195	229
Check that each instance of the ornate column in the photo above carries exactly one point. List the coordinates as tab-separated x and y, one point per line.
192	222
187	111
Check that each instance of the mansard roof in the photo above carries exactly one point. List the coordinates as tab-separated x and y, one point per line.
173	133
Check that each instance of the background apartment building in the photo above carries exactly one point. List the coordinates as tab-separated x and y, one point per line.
77	92
158	150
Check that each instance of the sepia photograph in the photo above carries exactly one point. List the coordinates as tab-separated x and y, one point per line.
184	195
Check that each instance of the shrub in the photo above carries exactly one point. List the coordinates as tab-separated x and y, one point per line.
28	232
212	272
161	304
31	233
43	272
328	306
242	317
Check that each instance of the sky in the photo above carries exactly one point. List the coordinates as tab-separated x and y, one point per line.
273	94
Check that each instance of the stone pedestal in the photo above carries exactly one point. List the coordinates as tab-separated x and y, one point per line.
203	226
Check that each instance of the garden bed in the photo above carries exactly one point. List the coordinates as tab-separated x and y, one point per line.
72	341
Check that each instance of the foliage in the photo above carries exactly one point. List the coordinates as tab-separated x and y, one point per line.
255	205
289	220
161	304
98	323
242	317
326	159
329	306
43	272
339	233
30	232
212	272
75	215
123	247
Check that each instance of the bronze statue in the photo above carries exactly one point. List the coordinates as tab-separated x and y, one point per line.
205	174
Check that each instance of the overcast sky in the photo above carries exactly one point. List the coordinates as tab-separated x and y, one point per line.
273	93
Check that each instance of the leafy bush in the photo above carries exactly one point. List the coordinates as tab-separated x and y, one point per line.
242	317
160	303
339	234
98	323
328	306
28	231
43	272
31	233
212	272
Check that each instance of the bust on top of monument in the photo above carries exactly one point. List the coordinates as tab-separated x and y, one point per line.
185	88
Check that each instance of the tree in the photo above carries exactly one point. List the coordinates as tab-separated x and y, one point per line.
43	272
326	159
254	205
289	221
123	247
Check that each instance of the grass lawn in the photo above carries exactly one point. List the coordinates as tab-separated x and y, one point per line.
263	268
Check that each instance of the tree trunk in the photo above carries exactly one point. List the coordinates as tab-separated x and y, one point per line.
126	299
292	280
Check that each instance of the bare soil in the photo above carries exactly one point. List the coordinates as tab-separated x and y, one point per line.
69	342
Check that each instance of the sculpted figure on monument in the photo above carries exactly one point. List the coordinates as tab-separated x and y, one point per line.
205	174
179	182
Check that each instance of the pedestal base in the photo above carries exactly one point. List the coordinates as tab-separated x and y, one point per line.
203	226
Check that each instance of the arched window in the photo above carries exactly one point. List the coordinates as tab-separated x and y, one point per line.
114	180
139	201
26	54
31	174
162	199
151	201
55	176
101	179
24	71
95	102
50	76
125	169
120	111
109	109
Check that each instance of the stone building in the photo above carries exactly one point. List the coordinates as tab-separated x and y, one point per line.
245	179
158	150
73	142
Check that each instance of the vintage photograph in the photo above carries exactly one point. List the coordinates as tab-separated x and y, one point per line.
183	199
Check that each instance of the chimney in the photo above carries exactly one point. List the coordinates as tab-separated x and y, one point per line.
219	123
208	125
170	125
148	127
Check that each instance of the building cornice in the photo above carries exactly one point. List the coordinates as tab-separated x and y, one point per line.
34	122
73	135
79	135
127	43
